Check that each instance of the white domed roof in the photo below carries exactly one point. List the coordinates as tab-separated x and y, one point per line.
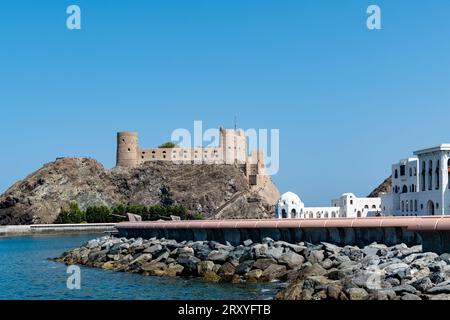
348	194
290	197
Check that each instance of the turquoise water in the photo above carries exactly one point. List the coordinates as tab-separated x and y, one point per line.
26	273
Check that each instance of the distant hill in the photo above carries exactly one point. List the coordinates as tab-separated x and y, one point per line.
385	187
216	191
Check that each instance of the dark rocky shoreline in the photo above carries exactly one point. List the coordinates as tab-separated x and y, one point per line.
312	272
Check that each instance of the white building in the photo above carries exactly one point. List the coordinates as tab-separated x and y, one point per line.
420	185
347	206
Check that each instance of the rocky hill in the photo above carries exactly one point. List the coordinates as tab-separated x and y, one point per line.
216	191
384	187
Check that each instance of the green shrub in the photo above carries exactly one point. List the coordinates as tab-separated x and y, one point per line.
168	145
71	215
101	214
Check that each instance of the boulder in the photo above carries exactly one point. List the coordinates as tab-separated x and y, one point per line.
226	272
275	252
185	250
316	256
291	259
141	259
292	292
244	267
211	277
108	265
273	272
263	264
189	263
405	288
327	263
409	296
154	268
443	296
354	253
385	294
331	248
293	247
314	270
174	270
261	250
398	270
357	294
218	255
153	249
204	266
437	277
253	275
334	292
439	290
312	282
423	284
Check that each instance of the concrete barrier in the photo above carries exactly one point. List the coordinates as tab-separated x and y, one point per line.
56	229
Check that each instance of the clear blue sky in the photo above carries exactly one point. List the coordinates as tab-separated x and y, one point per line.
348	101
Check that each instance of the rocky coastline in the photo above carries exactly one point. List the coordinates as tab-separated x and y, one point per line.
311	271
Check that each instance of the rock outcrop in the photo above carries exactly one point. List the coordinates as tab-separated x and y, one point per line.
216	191
384	187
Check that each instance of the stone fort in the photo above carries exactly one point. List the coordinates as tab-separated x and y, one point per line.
232	150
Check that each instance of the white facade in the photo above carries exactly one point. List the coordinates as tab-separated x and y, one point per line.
289	206
354	207
347	206
420	185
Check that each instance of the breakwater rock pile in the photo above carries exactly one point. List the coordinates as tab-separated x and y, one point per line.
312	272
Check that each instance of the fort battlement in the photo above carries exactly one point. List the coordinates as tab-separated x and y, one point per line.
232	150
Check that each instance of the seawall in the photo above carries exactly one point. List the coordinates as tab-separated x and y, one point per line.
19	230
431	232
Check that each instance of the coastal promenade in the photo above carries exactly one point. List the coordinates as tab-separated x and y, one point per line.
19	230
433	232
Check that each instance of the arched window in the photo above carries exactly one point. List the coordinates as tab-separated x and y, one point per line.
403	206
396	174
410	171
405	189
423	176
293	214
374	207
407	205
311	215
366	207
326	214
358	214
438	176
318	215
333	214
415	205
430	175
